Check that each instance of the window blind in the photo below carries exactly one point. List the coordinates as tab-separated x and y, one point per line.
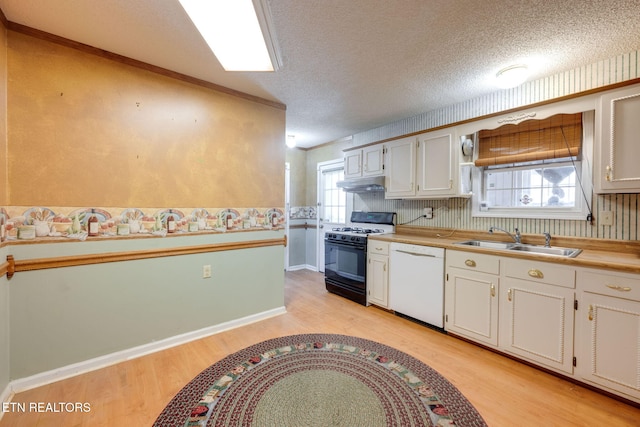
556	137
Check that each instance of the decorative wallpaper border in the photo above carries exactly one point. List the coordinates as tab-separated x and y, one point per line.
303	212
26	223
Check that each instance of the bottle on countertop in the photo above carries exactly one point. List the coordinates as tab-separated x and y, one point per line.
229	222
274	220
93	226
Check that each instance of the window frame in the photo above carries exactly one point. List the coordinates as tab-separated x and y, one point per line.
584	186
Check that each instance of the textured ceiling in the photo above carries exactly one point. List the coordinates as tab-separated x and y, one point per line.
354	65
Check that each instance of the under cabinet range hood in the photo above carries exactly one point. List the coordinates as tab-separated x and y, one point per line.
361	185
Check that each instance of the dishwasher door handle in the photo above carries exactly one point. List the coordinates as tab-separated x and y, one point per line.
414	253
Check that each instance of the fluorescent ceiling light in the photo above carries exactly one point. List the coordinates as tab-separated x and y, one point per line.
512	76
232	29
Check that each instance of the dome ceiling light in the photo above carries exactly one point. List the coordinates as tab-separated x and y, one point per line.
291	141
512	76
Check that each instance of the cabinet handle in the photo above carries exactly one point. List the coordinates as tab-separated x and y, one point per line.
470	263
493	290
536	273
450	184
509	294
619	288
384	267
590	312
378	249
607	175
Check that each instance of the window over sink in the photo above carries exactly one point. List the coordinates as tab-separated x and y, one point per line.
537	169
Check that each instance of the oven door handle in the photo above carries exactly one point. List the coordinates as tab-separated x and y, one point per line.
345	245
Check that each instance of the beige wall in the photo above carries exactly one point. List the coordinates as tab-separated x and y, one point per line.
3	117
84	130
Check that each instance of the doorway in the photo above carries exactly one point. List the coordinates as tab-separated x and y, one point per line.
332	203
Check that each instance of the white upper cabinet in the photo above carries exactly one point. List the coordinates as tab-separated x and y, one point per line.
401	168
368	161
436	163
616	169
421	166
353	164
373	160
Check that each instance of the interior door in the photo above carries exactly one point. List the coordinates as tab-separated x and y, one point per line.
332	207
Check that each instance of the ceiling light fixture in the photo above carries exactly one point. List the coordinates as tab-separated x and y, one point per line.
291	141
512	76
239	32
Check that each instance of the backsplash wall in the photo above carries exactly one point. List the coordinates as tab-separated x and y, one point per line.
456	214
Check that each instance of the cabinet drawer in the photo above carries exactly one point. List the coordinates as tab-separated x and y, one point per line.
618	285
378	247
542	272
472	261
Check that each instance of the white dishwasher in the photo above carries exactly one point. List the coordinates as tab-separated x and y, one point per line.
416	282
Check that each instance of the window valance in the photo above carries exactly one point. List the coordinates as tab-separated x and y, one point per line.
558	136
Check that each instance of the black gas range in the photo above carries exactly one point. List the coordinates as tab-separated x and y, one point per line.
346	253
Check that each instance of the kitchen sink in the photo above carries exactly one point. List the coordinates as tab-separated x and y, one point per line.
521	247
487	244
544	250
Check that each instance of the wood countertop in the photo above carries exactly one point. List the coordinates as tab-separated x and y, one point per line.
616	255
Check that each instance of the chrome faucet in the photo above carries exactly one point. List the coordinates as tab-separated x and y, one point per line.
547	239
516	238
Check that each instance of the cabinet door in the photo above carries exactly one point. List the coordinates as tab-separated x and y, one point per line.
536	322
353	164
608	346
435	165
372	159
471	305
378	280
401	168
617	166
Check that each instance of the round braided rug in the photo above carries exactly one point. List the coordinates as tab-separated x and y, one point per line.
319	380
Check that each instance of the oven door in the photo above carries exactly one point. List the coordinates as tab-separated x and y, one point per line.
346	264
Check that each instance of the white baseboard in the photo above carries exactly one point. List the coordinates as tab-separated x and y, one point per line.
302	267
6	396
43	378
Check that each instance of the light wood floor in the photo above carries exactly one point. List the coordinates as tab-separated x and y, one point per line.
505	392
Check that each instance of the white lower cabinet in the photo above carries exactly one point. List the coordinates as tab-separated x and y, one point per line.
521	307
581	322
471	302
378	273
608	331
537	322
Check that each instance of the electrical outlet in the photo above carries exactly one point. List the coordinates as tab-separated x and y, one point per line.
606	218
206	271
428	213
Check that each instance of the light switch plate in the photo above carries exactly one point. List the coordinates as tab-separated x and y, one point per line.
606	218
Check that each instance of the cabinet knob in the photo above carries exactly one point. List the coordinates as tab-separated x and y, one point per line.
536	273
470	263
